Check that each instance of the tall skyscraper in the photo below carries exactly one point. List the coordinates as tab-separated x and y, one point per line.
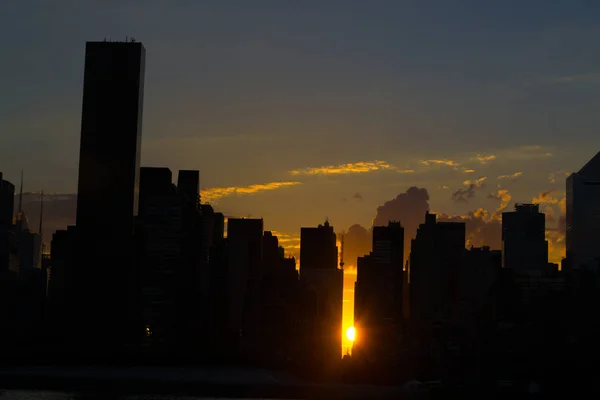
111	129
378	293
7	197
320	273
111	133
188	184
524	244
318	248
436	257
244	269
583	216
159	241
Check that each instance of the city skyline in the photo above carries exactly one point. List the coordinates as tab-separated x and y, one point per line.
219	83
333	192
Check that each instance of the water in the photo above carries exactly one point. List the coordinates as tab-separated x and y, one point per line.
46	395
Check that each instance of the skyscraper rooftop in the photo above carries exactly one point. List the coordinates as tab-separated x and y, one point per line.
592	168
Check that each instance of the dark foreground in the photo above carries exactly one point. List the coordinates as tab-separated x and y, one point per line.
111	382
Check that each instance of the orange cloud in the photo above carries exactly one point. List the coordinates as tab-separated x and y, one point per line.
505	197
449	163
290	243
286	240
545	198
512	177
485	158
350	168
213	194
468	171
477	182
556	245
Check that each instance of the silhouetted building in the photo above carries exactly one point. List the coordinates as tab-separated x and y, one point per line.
159	236
378	295
244	269
281	307
436	258
318	248
27	246
271	256
223	339
188	185
197	241
524	244
321	276
583	216
107	197
478	274
61	283
7	196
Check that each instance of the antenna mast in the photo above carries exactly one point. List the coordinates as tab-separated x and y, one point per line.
41	226
41	212
342	254
21	194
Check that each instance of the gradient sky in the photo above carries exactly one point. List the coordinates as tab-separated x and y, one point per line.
261	95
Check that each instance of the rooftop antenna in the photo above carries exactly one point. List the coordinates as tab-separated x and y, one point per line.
41	211
21	194
342	254
41	223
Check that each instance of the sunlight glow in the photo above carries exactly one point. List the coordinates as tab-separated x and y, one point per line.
351	334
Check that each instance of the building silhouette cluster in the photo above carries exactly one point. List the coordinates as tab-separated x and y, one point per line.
150	271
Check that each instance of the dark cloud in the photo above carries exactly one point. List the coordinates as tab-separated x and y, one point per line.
357	196
357	243
409	208
463	195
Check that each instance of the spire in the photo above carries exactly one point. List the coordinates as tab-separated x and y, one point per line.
41	223
342	254
41	212
21	194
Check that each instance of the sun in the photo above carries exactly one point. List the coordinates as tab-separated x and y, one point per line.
351	334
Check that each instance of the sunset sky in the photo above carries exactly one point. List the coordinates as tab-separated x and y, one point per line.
295	111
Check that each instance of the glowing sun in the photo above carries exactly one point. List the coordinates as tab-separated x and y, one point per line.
351	334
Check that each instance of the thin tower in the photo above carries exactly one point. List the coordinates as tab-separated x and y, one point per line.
21	194
342	254
42	219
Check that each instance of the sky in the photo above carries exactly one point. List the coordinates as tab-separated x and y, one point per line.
298	111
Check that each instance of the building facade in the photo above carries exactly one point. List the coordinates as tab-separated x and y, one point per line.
323	279
378	296
107	195
583	216
524	244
